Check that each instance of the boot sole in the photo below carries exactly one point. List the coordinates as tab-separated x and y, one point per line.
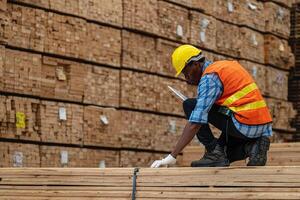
215	164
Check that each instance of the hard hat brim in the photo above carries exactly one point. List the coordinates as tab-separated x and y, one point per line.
179	72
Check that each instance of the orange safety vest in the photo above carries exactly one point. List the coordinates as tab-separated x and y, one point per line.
240	93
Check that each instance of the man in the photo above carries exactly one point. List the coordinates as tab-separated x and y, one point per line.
229	99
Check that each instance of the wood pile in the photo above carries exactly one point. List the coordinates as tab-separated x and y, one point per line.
282	113
19	118
167	183
277	19
165	49
253	46
61	122
101	86
294	81
139	55
62	79
141	159
203	30
19	155
141	15
136	92
173	21
230	45
280	154
246	12
101	127
93	74
55	156
278	52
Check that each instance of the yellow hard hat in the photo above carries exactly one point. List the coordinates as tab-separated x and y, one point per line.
183	54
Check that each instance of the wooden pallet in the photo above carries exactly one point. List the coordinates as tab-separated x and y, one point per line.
164	183
280	154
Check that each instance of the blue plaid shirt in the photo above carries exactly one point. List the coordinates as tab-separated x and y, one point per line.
210	89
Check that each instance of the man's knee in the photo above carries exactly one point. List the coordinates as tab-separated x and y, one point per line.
188	106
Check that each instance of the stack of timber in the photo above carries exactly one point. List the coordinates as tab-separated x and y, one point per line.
82	76
167	183
294	81
280	154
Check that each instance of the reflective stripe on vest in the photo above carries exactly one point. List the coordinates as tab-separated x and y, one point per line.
249	106
240	94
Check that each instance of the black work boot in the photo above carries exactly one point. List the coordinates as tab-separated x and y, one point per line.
215	158
257	151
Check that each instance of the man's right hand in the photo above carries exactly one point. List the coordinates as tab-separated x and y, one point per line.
169	160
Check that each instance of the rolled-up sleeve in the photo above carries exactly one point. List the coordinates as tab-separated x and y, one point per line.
209	90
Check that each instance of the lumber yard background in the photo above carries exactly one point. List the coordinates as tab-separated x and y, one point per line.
84	82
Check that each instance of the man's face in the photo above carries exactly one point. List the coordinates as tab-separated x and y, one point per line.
192	73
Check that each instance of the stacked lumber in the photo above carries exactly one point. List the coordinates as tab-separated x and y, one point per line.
103	44
278	53
19	155
252	47
62	35
138	129
150	92
139	52
282	113
173	21
55	78
284	3
158	132
61	122
21	72
203	30
62	79
65	35
3	20
284	154
164	51
55	156
294	81
280	154
138	159
166	183
250	13
294	86
208	7
223	183
226	37
100	11
72	58
101	86
19	118
141	15
101	127
277	19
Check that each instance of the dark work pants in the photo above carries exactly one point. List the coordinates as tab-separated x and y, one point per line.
236	140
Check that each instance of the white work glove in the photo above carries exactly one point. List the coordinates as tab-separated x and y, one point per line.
169	160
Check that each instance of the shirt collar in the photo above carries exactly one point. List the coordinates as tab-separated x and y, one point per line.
206	64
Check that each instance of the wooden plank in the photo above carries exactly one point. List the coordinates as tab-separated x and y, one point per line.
162	183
